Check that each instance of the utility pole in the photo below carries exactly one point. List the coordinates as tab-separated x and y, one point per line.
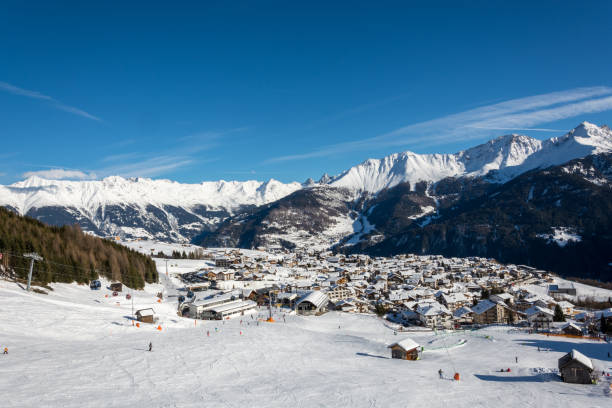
33	257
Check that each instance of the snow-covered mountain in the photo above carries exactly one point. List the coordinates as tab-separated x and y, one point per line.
139	207
501	159
171	211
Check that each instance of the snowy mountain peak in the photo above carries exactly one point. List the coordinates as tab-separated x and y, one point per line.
501	159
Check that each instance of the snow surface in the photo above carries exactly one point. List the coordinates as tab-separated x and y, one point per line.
77	348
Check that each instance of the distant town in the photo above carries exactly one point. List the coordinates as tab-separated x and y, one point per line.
411	292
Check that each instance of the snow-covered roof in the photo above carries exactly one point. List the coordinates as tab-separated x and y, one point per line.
483	306
407	344
537	309
570	324
575	355
432	309
462	311
316	297
146	312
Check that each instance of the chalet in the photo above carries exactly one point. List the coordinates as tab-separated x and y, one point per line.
338	292
572	329
225	275
406	349
567	307
223	262
539	317
314	302
116	287
487	312
145	315
576	368
434	315
463	315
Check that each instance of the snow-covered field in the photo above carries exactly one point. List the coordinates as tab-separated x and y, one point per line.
77	348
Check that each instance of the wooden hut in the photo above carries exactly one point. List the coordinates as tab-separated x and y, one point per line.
572	329
575	367
116	287
145	315
406	349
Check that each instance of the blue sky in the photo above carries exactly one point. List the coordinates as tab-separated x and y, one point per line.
259	90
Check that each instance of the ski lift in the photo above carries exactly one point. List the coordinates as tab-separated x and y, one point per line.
190	294
181	299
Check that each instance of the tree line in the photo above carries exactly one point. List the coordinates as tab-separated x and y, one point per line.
69	255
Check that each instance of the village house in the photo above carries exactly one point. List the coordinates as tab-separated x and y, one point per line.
435	316
575	367
487	312
539	317
571	329
406	349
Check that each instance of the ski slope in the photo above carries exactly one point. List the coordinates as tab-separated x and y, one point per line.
76	348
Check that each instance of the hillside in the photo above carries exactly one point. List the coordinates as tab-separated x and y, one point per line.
69	254
138	207
557	219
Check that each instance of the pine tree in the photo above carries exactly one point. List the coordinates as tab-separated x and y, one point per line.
558	317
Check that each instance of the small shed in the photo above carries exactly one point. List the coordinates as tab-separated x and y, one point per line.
576	368
406	349
116	287
572	329
145	315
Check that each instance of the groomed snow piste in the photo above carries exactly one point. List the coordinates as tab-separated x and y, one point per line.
77	348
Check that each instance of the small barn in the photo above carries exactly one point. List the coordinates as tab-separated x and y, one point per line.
406	349
572	329
145	315
576	368
116	287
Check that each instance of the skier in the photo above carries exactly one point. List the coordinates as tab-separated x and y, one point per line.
150	346
440	373
6	351
538	348
516	358
208	333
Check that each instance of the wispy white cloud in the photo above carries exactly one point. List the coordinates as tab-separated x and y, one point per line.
15	90
61	174
149	167
515	114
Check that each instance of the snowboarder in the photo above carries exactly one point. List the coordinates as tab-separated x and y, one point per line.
150	346
440	373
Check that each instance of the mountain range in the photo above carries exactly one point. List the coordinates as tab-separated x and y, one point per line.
402	202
